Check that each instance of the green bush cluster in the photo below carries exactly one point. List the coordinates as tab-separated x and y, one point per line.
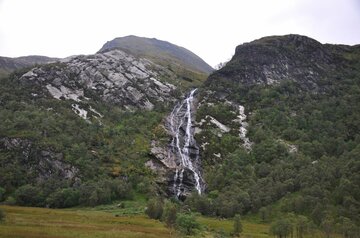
167	212
187	224
154	209
88	194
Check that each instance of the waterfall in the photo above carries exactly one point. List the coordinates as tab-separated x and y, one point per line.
243	131
183	144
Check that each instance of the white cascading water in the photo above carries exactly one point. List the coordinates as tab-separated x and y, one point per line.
243	131
181	117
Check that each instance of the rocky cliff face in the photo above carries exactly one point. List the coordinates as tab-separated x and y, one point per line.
38	164
178	162
272	60
113	77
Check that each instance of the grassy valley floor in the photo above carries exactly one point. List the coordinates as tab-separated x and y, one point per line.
110	221
56	223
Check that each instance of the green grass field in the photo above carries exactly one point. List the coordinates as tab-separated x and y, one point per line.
104	221
111	221
249	229
55	223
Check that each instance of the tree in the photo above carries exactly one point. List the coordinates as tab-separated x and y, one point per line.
2	215
94	198
318	213
62	198
200	203
169	214
187	224
281	228
264	213
29	195
348	228
2	194
237	225
327	226
302	226
154	209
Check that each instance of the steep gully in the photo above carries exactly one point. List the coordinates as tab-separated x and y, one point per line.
179	164
184	146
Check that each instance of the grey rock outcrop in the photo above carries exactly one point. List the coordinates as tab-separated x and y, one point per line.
113	77
18	144
271	60
178	163
42	164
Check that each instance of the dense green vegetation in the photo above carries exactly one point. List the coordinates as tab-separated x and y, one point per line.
305	157
107	154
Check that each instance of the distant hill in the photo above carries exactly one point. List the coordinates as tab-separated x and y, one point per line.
8	65
159	51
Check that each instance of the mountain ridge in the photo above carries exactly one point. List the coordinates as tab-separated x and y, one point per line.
270	60
8	64
163	50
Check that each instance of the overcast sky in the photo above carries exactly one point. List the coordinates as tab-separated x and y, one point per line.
209	28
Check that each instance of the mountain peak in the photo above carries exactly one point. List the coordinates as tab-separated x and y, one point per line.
273	59
159	51
290	38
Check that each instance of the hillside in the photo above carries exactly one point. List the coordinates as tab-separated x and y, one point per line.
278	130
83	122
113	77
8	65
273	136
160	51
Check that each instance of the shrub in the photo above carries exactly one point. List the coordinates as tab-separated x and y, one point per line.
2	194
200	203
10	201
281	228
169	214
2	215
237	225
29	195
264	213
187	224
154	209
67	197
302	226
221	234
